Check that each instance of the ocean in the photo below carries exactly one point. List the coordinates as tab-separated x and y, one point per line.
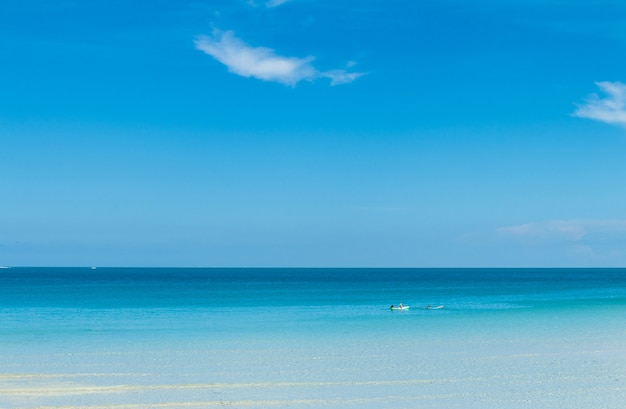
128	338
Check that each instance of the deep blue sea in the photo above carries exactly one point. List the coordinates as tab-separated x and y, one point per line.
311	337
460	289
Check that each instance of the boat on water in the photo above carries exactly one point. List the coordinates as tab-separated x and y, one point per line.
399	308
438	307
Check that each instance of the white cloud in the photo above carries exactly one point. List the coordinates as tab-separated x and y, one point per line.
338	77
570	230
610	109
263	63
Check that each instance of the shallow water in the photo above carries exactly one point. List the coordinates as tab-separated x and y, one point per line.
180	338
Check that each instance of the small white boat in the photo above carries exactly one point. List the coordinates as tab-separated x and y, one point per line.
404	307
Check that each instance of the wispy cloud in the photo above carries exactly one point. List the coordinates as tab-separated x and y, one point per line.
338	77
275	3
263	63
570	230
610	109
269	3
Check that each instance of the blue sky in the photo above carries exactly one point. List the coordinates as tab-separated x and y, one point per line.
313	133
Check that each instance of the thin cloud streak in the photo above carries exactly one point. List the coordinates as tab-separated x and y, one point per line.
263	63
269	4
275	3
570	230
338	77
610	109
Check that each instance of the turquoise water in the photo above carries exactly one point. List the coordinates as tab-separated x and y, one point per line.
132	338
